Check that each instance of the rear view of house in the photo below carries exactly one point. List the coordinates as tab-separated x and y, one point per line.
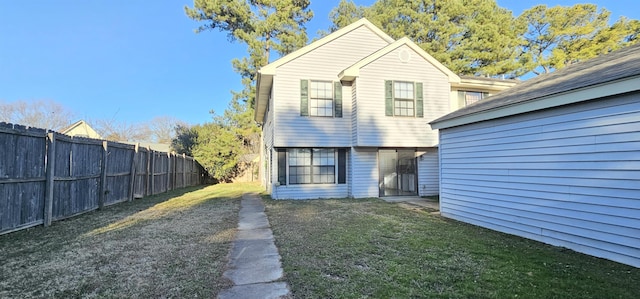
346	115
554	159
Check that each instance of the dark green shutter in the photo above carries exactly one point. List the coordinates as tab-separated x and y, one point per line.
282	166
419	100
388	97
342	166
337	98
304	98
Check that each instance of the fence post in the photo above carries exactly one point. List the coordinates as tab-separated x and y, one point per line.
103	176
50	169
169	172
134	163
147	185
184	164
193	167
152	156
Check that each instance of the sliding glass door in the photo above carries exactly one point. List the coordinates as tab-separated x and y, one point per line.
397	169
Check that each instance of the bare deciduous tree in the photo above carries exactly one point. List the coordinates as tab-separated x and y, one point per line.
45	114
163	128
122	131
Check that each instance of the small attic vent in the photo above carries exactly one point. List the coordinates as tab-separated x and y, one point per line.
404	55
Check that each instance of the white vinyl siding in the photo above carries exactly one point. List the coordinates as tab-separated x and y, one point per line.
373	127
321	64
354	112
364	167
428	173
267	147
568	176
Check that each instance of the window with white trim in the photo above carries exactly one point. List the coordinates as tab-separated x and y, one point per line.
466	98
312	166
321	98
403	99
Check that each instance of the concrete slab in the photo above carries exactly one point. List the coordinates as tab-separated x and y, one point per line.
254	263
249	252
251	206
252	220
273	290
254	234
268	269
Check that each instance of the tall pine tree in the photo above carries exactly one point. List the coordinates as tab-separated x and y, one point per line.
265	27
470	37
561	35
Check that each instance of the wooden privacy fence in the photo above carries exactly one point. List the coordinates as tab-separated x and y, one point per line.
48	176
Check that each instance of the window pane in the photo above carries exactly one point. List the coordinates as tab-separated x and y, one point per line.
321	98
403	90
471	97
299	174
324	174
404	108
320	107
303	155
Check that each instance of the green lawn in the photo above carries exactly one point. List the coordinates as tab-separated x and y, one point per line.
170	245
370	248
177	245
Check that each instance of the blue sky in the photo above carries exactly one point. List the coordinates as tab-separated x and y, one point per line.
130	61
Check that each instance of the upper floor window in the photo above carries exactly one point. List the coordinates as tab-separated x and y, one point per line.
466	98
320	98
403	98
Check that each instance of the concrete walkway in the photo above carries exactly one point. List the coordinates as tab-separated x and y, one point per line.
254	265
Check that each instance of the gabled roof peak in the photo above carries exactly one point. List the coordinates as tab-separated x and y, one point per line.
270	68
350	73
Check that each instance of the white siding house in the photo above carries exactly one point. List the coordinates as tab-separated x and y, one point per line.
554	159
345	116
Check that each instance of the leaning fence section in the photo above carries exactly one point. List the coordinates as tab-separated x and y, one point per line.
48	176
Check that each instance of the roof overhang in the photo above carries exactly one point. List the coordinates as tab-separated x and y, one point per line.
263	90
596	91
483	84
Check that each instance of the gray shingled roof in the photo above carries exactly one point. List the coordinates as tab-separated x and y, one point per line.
623	63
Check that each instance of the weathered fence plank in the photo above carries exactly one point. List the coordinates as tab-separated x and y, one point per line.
77	175
47	176
22	177
51	160
132	174
118	172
